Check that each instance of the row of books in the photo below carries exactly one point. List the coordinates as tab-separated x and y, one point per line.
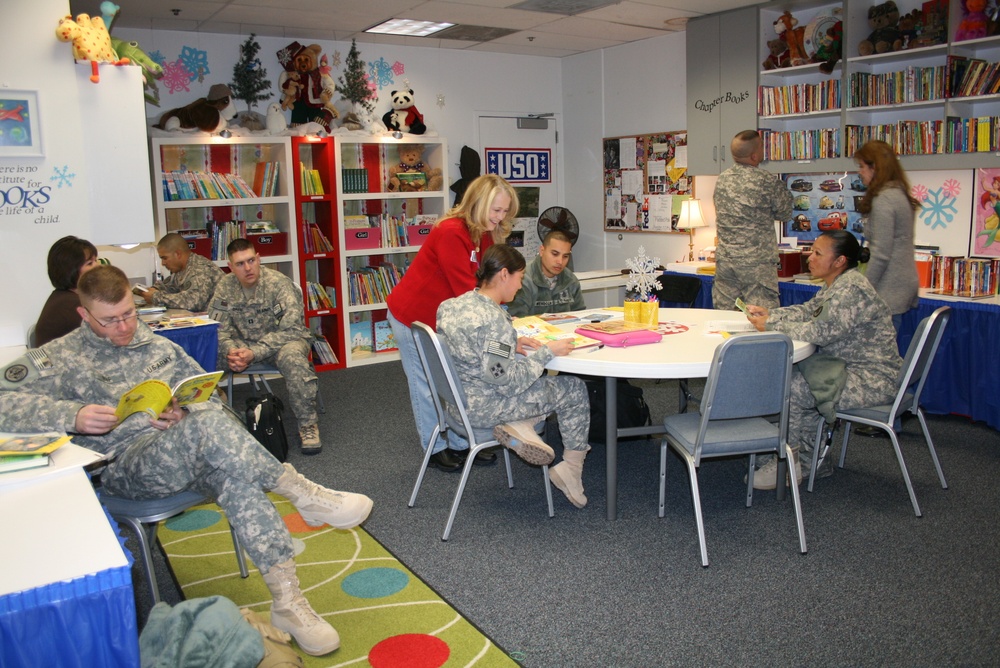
914	84
355	180
318	297
312	182
178	186
371	285
323	351
964	277
968	77
313	239
222	233
369	337
801	144
265	179
905	137
972	135
798	98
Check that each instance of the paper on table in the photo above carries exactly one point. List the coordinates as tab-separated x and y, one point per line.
69	456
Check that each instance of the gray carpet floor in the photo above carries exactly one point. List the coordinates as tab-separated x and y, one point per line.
878	586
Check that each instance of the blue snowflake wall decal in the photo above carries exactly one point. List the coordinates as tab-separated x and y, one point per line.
62	177
938	208
157	57
381	72
195	62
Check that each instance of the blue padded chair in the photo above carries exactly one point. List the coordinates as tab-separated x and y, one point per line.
919	357
447	390
144	517
749	382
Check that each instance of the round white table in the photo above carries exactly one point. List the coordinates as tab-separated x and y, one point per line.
684	354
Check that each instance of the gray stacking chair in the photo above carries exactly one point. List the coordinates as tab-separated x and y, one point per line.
447	390
749	382
144	517
919	357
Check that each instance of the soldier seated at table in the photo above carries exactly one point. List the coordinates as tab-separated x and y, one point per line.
549	287
73	385
262	321
192	277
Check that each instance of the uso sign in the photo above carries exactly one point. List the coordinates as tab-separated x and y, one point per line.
520	165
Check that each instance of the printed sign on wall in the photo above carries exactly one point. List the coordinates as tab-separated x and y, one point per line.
520	165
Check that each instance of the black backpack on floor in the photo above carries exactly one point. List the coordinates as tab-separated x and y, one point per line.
263	416
632	408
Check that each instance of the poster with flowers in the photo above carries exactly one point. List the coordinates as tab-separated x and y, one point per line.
986	214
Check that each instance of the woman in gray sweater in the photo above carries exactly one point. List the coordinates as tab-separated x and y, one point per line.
890	209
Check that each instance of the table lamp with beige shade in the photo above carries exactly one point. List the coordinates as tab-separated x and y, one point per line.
691	217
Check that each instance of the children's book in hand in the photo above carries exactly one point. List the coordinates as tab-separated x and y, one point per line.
154	396
535	327
39	443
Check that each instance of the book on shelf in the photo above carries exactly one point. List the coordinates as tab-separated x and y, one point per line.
154	396
361	337
534	327
354	180
31	443
265	180
384	338
22	462
323	350
356	221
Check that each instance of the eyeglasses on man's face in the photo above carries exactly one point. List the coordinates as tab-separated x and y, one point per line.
111	322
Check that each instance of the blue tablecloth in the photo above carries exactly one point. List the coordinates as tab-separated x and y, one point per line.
201	342
966	372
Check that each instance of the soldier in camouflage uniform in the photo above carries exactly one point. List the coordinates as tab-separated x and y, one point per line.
73	385
747	202
261	320
192	277
502	387
846	319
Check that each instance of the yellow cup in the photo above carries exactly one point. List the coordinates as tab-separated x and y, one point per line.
644	313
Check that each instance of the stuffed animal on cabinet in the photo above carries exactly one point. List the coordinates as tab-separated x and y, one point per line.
410	162
884	37
404	115
91	41
779	54
788	28
829	52
208	114
974	20
305	88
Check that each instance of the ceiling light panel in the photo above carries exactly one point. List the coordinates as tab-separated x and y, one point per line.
409	27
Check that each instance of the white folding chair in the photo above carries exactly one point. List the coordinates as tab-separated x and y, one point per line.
446	389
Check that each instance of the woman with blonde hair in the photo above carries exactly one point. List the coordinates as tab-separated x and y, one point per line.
445	267
890	211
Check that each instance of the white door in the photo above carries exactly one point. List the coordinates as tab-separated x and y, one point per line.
527	158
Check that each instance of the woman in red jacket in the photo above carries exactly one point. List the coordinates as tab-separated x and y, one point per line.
444	268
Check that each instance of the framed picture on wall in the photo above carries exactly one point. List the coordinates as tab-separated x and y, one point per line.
986	216
20	124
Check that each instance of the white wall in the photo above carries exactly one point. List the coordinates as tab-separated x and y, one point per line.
93	180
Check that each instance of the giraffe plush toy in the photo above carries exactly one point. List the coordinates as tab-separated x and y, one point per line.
90	40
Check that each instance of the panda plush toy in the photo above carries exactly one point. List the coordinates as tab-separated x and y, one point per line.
404	115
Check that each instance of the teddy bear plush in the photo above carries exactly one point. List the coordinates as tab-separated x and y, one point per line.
404	115
779	54
306	88
828	53
884	37
409	163
209	114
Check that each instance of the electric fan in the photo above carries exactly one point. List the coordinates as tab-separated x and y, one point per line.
558	218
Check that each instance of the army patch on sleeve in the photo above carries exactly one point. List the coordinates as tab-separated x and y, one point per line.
15	373
498	358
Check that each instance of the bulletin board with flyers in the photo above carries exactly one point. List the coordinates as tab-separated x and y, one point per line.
645	180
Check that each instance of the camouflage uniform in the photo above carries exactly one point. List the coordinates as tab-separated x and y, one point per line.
501	386
849	320
271	323
208	451
190	288
539	294
747	202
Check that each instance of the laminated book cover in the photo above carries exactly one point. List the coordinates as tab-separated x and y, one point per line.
534	327
384	338
361	337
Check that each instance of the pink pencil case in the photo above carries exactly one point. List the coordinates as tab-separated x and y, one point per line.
622	339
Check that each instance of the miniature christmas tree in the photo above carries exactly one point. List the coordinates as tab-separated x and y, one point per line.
352	84
249	76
